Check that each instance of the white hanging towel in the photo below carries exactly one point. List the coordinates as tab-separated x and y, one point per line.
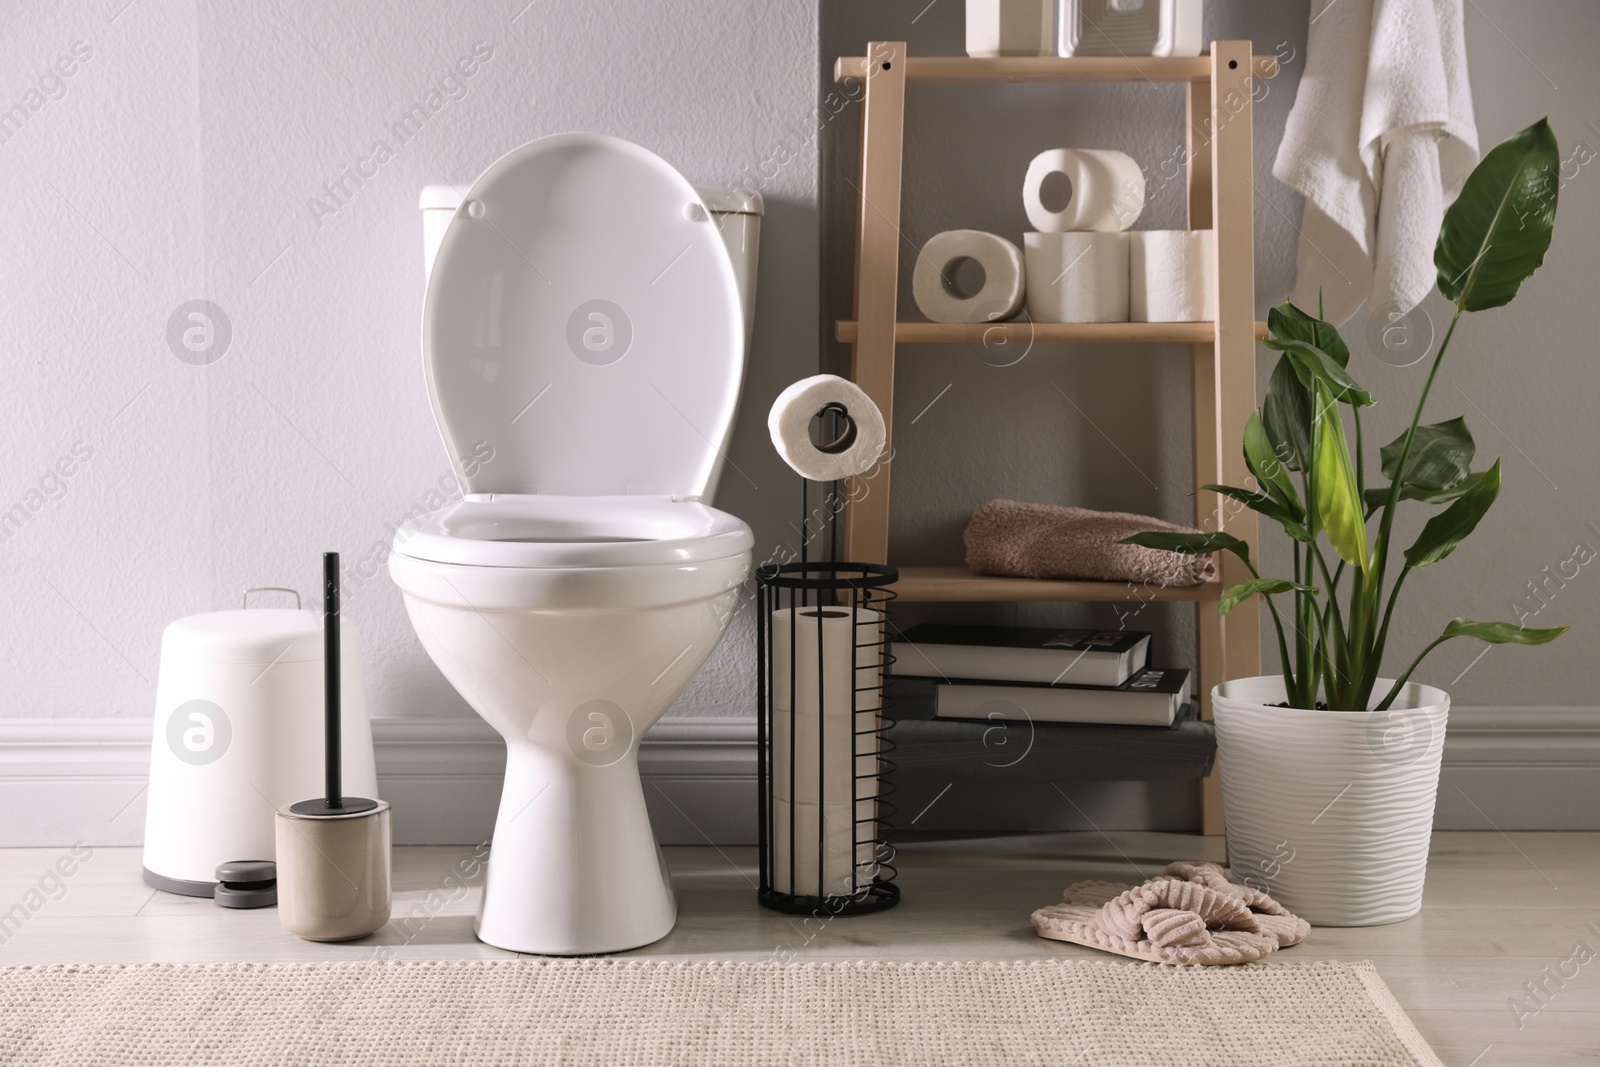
1379	141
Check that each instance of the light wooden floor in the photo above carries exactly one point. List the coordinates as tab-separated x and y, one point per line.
1499	909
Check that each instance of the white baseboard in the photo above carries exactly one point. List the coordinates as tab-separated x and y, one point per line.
65	780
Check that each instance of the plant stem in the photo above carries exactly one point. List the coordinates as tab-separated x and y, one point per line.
1381	549
1277	624
1372	644
1400	682
1382	640
1337	655
1333	601
1361	461
1289	684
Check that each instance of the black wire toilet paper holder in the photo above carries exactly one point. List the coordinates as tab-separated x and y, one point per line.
864	591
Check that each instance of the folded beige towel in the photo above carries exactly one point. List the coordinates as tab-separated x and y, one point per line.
1017	540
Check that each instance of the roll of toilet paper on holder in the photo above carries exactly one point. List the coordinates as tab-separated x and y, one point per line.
1077	277
830	636
1172	276
798	774
827	679
861	439
933	279
1107	190
847	853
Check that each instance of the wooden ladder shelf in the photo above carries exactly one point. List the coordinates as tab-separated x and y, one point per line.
1222	357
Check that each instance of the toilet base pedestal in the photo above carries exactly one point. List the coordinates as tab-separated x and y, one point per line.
574	867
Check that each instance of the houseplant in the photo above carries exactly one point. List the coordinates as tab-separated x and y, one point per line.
1329	770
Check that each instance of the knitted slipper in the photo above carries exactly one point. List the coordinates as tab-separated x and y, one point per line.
1274	918
1189	915
1166	920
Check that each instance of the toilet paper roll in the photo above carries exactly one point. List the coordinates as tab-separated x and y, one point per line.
1171	276
845	642
858	446
848	848
822	658
829	737
1077	277
1107	190
1000	296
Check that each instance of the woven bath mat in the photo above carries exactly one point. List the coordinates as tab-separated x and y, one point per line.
609	1012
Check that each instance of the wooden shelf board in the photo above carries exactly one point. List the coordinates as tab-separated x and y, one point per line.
958	583
1052	69
911	333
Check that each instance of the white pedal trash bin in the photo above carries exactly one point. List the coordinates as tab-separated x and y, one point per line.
238	734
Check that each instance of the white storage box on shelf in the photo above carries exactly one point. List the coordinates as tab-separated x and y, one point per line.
238	734
1128	28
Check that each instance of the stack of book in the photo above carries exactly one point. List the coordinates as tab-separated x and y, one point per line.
1038	675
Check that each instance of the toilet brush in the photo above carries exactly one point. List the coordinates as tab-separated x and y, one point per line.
333	850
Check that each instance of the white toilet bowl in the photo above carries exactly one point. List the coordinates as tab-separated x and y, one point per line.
570	624
584	339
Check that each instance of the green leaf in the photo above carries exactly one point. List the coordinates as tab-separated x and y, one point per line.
1338	505
1495	235
1262	504
1238	594
1291	324
1286	416
1451	526
1502	633
1441	455
1190	544
1378	495
1312	364
1265	465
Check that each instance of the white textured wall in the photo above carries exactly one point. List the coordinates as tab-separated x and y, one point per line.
186	158
177	160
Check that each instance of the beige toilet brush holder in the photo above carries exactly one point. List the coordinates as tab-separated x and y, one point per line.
333	873
333	851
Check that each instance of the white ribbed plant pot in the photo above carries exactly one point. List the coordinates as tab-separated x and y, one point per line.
1330	811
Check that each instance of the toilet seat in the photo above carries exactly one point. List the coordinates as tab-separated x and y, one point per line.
583	327
575	532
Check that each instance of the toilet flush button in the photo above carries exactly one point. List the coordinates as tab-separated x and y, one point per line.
475	208
694	212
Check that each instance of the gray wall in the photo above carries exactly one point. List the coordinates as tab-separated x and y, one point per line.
1522	375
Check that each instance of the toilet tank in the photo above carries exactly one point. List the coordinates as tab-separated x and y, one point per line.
737	213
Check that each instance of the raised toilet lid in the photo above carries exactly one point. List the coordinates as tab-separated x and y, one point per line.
582	326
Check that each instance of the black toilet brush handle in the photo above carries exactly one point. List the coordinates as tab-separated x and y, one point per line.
330	675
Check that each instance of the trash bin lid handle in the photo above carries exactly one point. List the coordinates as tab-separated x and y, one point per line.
270	589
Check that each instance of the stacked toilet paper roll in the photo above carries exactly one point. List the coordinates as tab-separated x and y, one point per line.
1171	276
933	278
1076	265
1077	277
1107	190
823	752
